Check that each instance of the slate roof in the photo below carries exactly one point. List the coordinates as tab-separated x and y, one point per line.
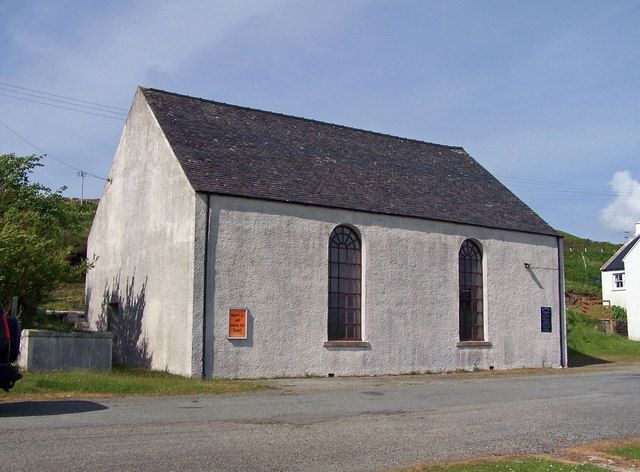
616	262
232	150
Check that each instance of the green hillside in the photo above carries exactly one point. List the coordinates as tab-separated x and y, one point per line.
579	252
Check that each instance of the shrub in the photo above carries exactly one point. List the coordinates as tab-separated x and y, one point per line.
35	224
618	313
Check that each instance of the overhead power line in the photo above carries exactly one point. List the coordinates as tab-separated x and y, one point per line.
557	187
547	182
63	107
65	102
63	96
626	233
46	154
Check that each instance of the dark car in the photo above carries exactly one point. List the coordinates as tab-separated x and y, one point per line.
9	350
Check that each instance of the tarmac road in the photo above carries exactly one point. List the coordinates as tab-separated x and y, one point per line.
358	424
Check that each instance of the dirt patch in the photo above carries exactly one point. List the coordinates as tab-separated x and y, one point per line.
594	453
590	453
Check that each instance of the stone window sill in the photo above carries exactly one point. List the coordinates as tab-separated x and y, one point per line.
347	344
474	344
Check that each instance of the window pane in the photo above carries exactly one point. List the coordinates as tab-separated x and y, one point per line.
334	332
334	287
342	332
351	287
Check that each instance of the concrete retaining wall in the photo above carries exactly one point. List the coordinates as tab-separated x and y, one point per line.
51	350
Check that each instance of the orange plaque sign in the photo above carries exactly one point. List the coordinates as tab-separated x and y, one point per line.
237	323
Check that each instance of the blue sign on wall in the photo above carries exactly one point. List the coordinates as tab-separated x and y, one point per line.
545	319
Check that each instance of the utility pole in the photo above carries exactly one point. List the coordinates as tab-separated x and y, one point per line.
82	175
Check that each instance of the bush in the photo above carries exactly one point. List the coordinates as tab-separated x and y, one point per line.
35	228
618	313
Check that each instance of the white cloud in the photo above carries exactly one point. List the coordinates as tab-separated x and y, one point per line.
622	213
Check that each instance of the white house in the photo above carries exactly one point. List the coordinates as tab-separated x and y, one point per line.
235	242
621	281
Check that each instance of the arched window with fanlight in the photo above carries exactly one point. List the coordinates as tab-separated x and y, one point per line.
345	285
471	292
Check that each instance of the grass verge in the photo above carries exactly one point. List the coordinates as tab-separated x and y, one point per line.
628	451
518	464
121	381
586	342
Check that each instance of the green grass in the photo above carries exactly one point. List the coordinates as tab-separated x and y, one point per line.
121	381
585	341
523	464
578	278
630	451
67	297
42	320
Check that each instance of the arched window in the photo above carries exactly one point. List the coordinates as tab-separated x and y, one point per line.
345	285
471	304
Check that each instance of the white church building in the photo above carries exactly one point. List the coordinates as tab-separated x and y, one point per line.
234	242
621	282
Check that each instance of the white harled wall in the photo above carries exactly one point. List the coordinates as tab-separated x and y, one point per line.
144	236
617	296
272	258
632	284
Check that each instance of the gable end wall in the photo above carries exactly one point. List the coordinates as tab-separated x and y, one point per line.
632	286
143	236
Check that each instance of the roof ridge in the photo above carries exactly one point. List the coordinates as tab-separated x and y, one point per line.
312	120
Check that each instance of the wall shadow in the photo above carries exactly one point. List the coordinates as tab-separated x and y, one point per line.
534	277
48	408
121	314
579	359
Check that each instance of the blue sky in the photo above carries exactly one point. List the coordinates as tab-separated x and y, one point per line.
545	94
